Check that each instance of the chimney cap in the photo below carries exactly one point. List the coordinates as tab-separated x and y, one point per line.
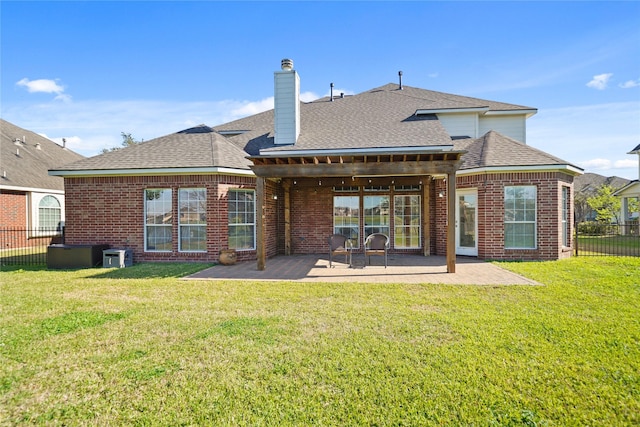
286	64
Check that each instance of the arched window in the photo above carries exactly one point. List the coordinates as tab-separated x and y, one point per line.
49	213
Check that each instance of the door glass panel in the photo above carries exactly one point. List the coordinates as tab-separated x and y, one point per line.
467	220
376	215
346	218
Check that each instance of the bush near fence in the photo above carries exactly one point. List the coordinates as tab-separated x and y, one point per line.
602	239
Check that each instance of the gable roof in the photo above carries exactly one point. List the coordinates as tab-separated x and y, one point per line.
494	150
197	148
383	117
590	182
24	164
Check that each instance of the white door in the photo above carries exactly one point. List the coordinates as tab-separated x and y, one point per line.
466	223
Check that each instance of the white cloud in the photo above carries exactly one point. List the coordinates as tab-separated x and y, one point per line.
90	126
596	164
590	136
45	86
630	83
626	163
600	81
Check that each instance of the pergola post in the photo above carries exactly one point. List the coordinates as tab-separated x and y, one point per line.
286	185
260	220
451	224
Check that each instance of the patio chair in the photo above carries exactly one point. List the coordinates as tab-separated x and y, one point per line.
376	244
339	245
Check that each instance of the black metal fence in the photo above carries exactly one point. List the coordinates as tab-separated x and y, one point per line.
23	246
598	239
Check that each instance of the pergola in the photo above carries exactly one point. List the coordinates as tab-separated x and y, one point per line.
424	162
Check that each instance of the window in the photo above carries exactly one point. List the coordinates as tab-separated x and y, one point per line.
192	219
520	217
346	218
158	219
49	214
242	222
406	221
376	214
566	239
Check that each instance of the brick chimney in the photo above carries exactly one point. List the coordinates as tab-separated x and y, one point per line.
286	104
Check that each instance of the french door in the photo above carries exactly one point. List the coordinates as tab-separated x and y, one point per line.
466	222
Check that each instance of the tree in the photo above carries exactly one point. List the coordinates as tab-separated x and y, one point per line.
127	140
606	205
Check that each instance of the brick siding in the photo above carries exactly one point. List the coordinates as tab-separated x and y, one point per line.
110	210
490	214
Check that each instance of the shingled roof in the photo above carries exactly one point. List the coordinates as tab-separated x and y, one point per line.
199	147
383	117
26	157
496	150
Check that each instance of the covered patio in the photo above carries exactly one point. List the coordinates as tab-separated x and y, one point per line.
402	268
356	165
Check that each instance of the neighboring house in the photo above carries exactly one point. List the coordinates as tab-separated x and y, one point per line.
30	199
626	193
586	186
396	159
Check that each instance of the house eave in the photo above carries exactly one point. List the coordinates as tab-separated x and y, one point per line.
151	171
424	111
355	151
570	169
528	113
621	191
30	189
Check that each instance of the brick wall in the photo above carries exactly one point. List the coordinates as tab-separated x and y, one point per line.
13	209
490	214
110	210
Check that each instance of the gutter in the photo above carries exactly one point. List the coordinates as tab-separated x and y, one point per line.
151	172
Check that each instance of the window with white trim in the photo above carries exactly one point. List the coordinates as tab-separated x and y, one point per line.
520	217
49	214
406	221
192	220
158	213
242	219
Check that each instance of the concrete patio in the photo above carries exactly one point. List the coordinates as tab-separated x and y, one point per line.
401	269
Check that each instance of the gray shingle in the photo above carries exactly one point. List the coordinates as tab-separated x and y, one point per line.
494	150
378	118
25	165
197	147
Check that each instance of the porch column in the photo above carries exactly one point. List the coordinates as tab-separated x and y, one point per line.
624	214
451	224
286	185
426	216
260	213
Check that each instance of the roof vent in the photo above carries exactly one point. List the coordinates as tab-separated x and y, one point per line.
17	141
331	85
38	146
286	64
400	77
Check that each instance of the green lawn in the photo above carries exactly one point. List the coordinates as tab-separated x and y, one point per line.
615	244
138	346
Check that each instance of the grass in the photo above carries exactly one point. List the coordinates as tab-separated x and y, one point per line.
137	346
615	245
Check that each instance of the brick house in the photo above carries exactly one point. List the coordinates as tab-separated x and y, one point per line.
31	200
396	159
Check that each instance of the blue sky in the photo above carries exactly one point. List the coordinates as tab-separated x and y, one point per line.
87	71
